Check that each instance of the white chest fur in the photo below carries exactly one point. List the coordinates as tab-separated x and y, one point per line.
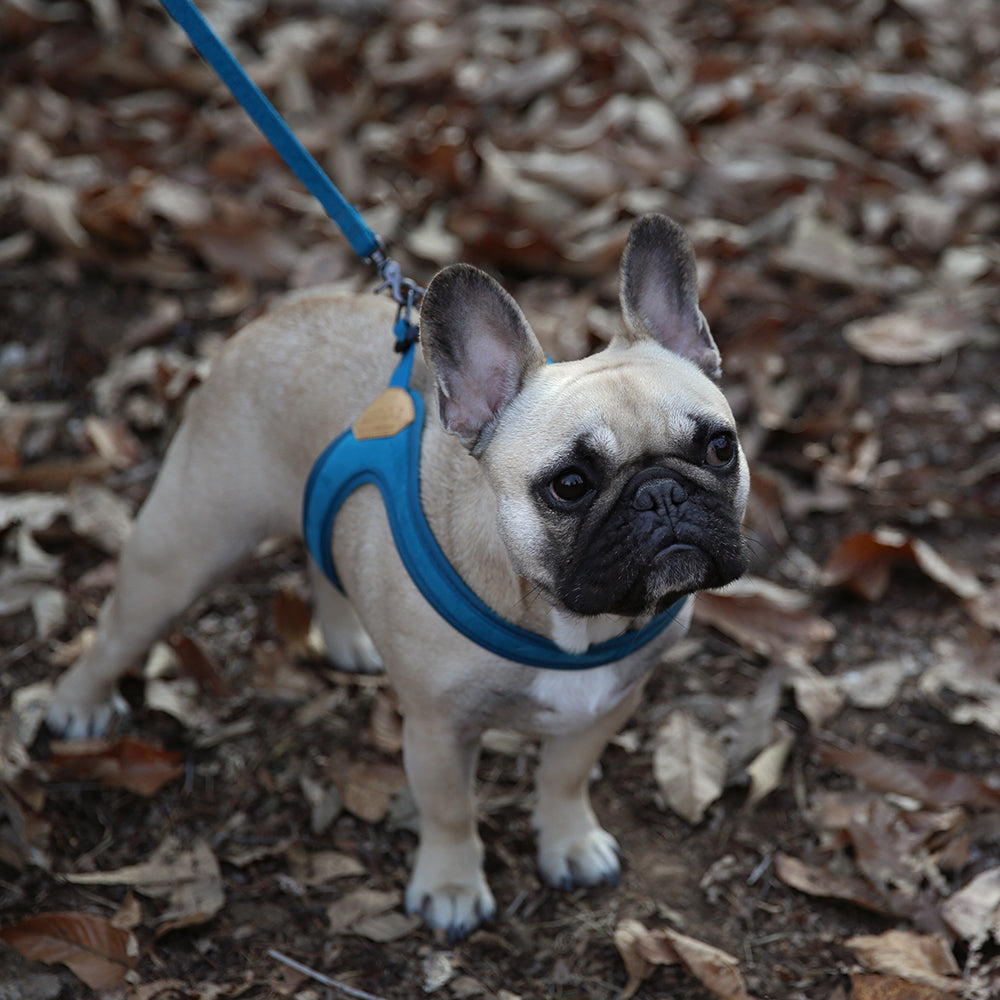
567	700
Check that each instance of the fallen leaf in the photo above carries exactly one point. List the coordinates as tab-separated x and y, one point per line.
914	335
974	911
770	620
863	562
875	987
371	913
368	788
716	969
933	786
876	685
193	661
129	763
689	765
642	950
816	881
918	958
313	868
188	878
100	954
766	768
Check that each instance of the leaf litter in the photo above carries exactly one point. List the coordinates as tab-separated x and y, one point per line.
831	724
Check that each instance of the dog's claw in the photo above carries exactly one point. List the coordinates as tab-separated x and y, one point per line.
455	910
76	722
589	860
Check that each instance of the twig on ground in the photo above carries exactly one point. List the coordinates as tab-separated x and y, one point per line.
320	978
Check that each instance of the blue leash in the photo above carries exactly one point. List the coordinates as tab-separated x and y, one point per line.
301	162
391	461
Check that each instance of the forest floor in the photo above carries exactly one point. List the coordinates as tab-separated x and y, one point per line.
834	831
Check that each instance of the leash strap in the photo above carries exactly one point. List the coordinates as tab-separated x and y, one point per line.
383	448
301	162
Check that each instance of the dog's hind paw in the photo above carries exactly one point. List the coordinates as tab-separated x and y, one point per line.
592	858
71	720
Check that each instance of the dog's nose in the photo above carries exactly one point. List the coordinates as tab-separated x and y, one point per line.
660	495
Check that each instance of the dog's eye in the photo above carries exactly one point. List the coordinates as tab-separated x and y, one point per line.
570	486
721	451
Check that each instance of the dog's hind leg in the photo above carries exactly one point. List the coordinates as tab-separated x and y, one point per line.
347	643
198	522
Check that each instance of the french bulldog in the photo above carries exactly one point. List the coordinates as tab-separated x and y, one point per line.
576	499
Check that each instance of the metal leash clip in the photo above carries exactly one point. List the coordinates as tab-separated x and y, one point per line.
405	292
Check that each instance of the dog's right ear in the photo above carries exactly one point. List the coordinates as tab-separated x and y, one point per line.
479	347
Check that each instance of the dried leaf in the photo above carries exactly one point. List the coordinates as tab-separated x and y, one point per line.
689	765
816	881
371	913
913	336
918	958
765	618
716	969
368	789
129	763
875	987
314	868
194	661
933	786
876	685
642	950
863	562
100	954
188	878
766	769
974	911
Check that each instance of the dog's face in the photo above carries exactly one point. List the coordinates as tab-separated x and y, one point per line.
619	479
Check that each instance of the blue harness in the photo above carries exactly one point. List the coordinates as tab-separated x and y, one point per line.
379	451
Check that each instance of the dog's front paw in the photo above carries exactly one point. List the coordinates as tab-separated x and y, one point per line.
450	895
585	859
75	719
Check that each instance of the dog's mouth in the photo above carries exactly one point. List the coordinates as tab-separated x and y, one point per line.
646	586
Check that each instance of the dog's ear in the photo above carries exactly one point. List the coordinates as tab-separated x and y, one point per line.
479	347
659	292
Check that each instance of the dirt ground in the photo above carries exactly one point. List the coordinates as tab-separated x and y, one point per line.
836	168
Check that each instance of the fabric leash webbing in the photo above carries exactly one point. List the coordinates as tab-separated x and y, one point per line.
301	162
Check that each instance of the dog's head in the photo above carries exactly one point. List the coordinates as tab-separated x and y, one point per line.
619	478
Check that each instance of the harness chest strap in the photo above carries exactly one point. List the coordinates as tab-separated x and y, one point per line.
383	448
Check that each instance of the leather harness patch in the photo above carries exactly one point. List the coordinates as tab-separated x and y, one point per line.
386	415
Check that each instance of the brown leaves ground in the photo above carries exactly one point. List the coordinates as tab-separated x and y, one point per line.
838	711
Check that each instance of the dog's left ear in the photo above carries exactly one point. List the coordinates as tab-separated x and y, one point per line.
659	292
479	347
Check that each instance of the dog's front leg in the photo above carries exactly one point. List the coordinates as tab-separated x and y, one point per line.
573	848
448	887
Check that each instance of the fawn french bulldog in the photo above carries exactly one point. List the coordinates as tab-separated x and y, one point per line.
578	500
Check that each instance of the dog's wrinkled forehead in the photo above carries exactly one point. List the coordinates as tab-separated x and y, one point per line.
618	405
